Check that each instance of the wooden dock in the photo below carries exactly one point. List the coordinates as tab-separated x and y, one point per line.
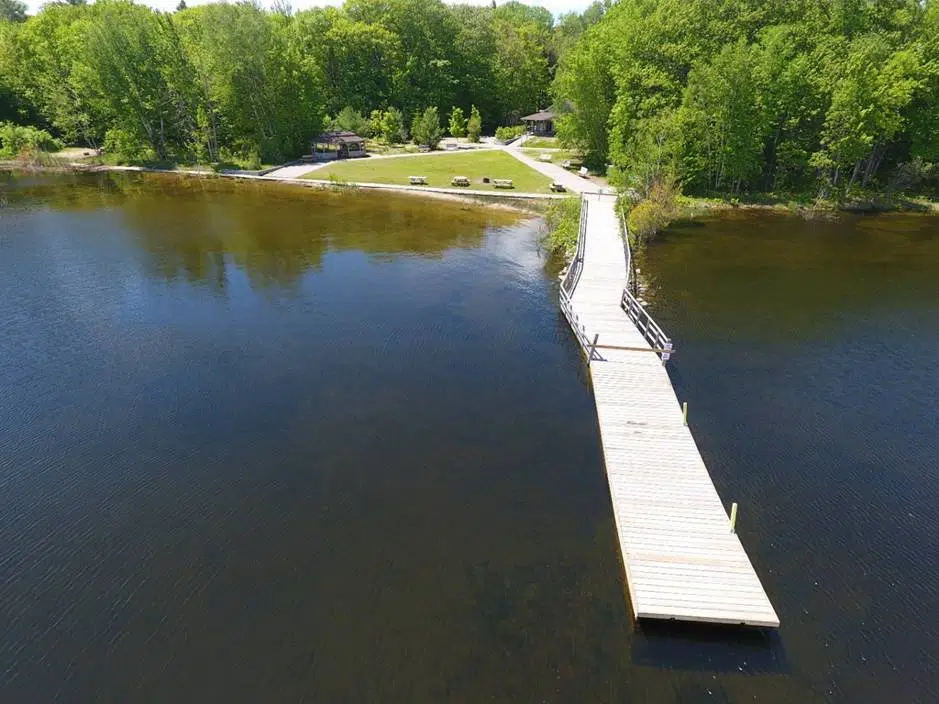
682	558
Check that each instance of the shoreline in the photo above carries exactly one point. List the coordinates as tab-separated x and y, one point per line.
475	196
692	206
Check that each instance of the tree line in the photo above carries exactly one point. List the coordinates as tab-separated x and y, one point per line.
234	81
727	96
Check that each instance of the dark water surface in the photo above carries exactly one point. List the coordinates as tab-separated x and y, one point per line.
264	444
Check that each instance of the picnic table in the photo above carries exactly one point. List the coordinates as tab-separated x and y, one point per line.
503	183
544	157
417	180
459	181
583	173
558	187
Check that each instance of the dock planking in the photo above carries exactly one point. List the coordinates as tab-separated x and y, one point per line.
682	559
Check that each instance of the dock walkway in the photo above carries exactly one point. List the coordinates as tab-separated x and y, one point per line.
682	559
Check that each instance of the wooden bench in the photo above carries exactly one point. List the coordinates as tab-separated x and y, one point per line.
503	183
558	187
544	157
417	180
459	181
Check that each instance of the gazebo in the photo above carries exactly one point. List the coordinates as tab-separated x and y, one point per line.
540	123
344	145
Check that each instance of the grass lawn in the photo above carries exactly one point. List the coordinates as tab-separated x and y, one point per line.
439	169
558	157
542	143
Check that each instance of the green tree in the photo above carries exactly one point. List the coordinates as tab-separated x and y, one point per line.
457	123
392	126
722	122
474	126
12	10
425	130
350	120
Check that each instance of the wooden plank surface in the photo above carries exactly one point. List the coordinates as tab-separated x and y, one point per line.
682	561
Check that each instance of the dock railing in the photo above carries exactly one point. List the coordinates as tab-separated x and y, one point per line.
569	283
642	319
651	330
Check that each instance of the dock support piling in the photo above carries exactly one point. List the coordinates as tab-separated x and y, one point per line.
733	517
684	412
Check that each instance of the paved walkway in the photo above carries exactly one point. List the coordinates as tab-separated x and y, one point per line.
296	170
572	182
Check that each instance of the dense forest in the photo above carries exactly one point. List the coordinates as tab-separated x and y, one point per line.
706	96
725	96
235	81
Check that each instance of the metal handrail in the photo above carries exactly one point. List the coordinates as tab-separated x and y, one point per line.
637	312
569	283
651	331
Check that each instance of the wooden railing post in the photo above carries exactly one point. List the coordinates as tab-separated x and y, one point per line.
593	347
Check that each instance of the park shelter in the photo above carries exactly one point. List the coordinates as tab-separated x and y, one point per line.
338	145
540	123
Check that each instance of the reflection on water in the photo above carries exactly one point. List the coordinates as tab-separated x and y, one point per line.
269	444
274	233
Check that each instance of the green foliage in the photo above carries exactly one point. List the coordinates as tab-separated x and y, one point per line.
474	126
126	145
505	134
425	130
191	84
392	130
738	95
457	123
350	120
12	11
15	140
656	212
562	222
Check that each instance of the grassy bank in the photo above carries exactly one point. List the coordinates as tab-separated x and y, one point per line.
439	169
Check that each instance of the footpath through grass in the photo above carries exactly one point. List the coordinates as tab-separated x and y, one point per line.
439	169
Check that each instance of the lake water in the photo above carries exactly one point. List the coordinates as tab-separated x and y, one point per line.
268	444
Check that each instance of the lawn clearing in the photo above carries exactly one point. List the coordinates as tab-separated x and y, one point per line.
439	170
542	143
557	157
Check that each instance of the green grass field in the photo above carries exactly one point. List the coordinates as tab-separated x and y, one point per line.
439	169
542	143
558	157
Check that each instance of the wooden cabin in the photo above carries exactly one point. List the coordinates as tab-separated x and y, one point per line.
540	123
338	145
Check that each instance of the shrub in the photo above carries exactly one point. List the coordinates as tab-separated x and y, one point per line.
16	139
126	145
474	126
506	134
656	212
562	219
